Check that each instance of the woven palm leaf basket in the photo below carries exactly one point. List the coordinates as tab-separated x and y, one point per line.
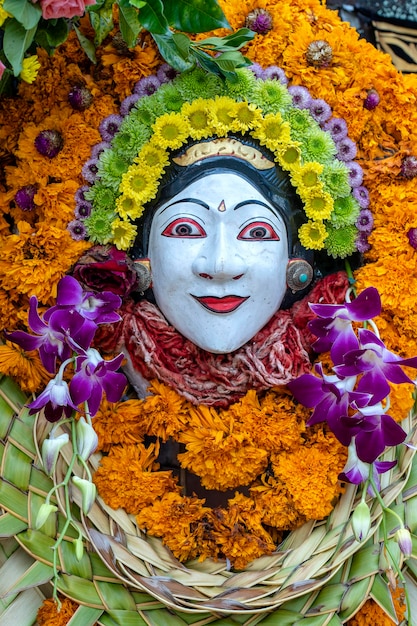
97	565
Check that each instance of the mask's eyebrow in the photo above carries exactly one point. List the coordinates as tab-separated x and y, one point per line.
188	200
246	202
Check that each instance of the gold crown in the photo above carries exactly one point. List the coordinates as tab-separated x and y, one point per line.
224	146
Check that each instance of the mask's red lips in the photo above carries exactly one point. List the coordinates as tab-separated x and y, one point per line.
221	305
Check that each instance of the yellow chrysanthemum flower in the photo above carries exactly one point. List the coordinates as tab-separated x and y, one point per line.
317	206
152	157
124	234
273	132
312	235
128	208
289	156
307	176
222	114
140	184
247	116
30	69
170	130
198	116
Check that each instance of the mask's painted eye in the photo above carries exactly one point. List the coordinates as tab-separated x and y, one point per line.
256	231
184	227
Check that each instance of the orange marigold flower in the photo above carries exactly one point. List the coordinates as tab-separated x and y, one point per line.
164	412
127	478
24	367
49	614
371	614
118	423
177	520
276	505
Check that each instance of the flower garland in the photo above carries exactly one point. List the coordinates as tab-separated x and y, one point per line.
306	141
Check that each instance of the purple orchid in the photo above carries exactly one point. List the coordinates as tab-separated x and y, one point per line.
95	375
51	338
55	399
99	308
357	471
334	330
375	364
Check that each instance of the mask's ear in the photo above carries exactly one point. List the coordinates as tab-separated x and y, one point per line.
143	270
300	275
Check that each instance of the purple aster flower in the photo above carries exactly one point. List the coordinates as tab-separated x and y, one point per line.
355	173
357	471
365	221
146	86
24	197
274	72
337	127
98	149
80	98
83	209
49	143
128	104
257	70
320	110
109	126
89	170
77	230
166	73
361	194
301	97
412	237
334	328
409	167
51	337
93	376
80	193
259	21
95	308
346	149
372	100
375	364
55	399
362	243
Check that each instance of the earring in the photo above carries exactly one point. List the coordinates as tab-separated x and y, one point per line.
299	274
143	271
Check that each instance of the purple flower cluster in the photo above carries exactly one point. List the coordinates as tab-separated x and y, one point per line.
65	333
351	400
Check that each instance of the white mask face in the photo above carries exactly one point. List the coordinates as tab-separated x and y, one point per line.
218	253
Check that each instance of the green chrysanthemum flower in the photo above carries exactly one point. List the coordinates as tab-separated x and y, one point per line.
98	225
243	87
300	121
131	138
146	110
340	242
198	83
335	177
318	146
111	168
345	211
102	196
170	98
271	96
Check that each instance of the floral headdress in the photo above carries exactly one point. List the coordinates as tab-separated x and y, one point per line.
162	115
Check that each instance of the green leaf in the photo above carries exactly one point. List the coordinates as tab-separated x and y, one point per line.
170	52
235	40
15	43
50	36
195	16
27	13
102	21
86	45
182	43
129	24
138	3
153	19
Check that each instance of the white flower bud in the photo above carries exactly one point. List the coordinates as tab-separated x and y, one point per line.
88	492
50	451
361	521
87	439
43	514
403	538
